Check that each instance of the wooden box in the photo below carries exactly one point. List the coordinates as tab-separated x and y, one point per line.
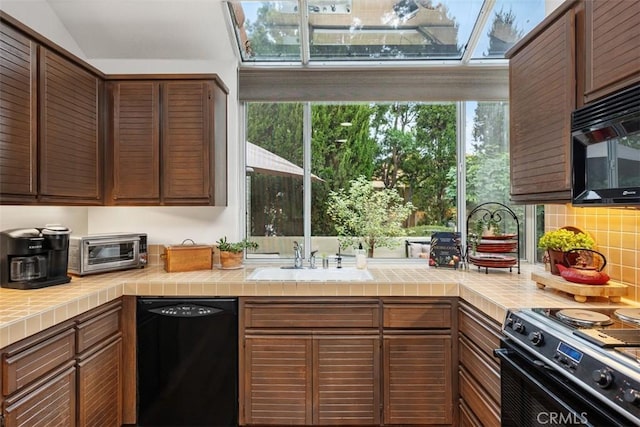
187	257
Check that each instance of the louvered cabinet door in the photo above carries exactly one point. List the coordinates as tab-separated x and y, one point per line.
100	387
187	142
542	95
52	403
417	378
18	111
70	161
277	380
346	380
612	46
134	152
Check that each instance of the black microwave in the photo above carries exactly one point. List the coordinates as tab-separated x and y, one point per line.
605	151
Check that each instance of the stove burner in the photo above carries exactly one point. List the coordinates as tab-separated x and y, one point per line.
628	315
583	318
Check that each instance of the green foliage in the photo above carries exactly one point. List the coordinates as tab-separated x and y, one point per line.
564	240
417	146
362	214
235	247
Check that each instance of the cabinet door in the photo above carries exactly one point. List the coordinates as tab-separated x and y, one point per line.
70	160
187	142
18	104
277	380
417	378
542	97
52	403
134	153
100	386
612	46
346	380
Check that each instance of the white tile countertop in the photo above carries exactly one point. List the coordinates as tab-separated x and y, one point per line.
26	312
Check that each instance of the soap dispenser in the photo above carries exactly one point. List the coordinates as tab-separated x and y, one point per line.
361	258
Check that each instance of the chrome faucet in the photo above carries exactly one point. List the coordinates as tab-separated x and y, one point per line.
297	255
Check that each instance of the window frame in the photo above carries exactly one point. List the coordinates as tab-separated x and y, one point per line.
299	86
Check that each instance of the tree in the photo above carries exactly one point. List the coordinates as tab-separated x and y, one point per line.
362	214
503	33
338	153
436	133
417	145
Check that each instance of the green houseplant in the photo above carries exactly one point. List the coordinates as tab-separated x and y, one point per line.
557	242
231	253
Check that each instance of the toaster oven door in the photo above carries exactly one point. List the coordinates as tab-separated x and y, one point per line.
100	255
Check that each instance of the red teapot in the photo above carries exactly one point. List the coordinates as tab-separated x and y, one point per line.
586	267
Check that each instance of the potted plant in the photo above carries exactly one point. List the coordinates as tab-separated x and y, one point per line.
232	253
557	242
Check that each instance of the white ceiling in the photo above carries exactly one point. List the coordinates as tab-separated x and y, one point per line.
144	29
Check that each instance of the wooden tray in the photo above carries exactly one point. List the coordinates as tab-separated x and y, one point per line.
612	290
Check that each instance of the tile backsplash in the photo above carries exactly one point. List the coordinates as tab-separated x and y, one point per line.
617	235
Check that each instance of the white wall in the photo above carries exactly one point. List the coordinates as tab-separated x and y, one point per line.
163	224
38	14
37	216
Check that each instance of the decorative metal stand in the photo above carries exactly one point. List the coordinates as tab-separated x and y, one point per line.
501	249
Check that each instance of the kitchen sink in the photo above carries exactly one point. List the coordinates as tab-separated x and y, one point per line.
275	274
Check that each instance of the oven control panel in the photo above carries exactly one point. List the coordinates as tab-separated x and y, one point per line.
589	367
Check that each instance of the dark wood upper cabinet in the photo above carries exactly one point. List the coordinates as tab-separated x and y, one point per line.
187	142
70	156
135	142
50	142
167	142
542	90
612	46
18	123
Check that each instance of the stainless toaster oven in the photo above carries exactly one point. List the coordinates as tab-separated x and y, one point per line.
99	253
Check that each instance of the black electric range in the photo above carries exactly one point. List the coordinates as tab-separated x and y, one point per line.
596	351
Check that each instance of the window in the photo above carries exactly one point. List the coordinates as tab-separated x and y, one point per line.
407	148
387	31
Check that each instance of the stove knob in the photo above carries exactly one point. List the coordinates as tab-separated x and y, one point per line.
519	327
602	377
631	395
536	338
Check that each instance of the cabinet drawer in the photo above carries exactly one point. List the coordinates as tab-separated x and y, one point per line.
482	331
484	409
485	372
422	316
50	402
24	365
96	329
467	419
305	314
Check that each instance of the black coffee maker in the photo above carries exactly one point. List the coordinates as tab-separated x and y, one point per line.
32	258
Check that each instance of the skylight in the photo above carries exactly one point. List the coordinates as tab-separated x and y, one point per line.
380	31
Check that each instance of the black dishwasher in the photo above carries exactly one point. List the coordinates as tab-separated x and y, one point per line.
187	362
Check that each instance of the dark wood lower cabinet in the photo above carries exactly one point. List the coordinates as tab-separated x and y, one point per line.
99	386
417	379
68	375
277	382
346	379
479	370
346	361
49	402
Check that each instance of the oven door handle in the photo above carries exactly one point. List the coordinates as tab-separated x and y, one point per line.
504	355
